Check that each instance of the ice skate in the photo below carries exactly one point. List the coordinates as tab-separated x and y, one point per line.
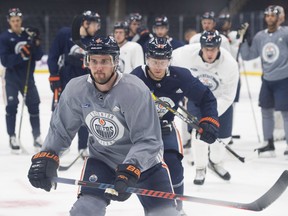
200	176
38	142
219	170
14	145
182	213
268	150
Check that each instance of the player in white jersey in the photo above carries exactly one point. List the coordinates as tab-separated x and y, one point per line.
131	53
125	144
215	68
208	23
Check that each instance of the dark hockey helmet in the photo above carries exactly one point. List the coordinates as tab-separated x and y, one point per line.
224	17
272	9
103	46
161	21
159	48
91	16
134	16
12	12
122	25
208	15
210	39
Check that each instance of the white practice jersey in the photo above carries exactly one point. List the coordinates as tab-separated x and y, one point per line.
225	42
131	56
234	43
221	76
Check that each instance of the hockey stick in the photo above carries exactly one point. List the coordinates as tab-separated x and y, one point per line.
193	121
25	90
258	205
65	168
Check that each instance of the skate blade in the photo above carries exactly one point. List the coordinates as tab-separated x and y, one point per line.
16	151
267	154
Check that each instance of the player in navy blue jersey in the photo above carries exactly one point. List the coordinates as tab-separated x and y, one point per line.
19	50
65	61
171	84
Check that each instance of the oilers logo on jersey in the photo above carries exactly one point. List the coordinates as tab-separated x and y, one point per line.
270	52
105	127
162	110
19	46
210	81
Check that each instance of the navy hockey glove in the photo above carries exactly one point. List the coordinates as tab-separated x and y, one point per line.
127	175
55	83
44	166
209	129
25	51
166	127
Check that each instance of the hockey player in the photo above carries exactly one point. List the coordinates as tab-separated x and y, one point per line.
137	31
19	50
125	146
208	23
214	67
161	29
71	57
271	45
131	53
171	84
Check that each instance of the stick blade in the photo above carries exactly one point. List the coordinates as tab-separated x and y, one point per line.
271	195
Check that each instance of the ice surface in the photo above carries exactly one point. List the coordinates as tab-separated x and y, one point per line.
249	181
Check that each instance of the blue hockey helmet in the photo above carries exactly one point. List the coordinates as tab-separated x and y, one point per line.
224	17
159	48
161	21
13	12
210	39
272	9
208	15
122	25
103	46
91	16
134	17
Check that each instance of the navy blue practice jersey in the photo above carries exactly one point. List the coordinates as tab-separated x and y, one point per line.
177	83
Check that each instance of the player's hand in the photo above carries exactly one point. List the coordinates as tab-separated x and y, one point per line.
55	83
166	128
142	30
209	129
25	51
243	33
44	166
127	175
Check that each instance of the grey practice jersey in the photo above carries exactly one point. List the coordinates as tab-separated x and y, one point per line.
123	123
273	50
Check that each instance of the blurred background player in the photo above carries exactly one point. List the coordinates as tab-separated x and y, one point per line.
137	31
125	146
171	84
65	61
208	23
161	29
215	67
19	50
189	33
271	45
131	53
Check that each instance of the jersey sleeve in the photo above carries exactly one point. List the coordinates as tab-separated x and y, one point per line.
138	56
64	124
56	50
145	133
250	52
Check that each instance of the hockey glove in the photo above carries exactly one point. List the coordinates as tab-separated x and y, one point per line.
166	128
25	52
44	166
127	175
33	32
209	129
55	83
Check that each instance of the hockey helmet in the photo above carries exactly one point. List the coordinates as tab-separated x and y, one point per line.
272	9
91	16
161	21
208	15
12	12
210	39
134	17
159	48
122	25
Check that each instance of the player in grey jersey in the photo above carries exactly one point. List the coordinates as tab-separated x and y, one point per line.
125	142
271	45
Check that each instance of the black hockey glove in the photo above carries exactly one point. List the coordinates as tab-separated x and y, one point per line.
55	83
25	51
44	166
127	175
209	129
166	127
33	33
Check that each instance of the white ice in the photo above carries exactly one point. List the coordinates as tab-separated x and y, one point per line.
249	180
